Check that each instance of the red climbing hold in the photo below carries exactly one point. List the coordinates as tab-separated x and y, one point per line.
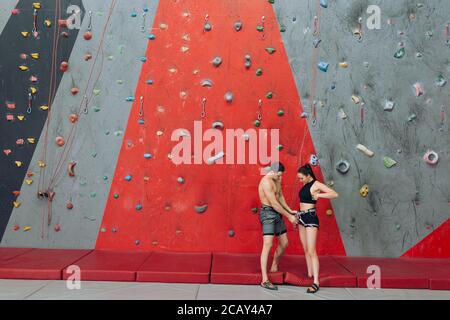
57	228
74	91
16	193
73	118
87	35
64	66
62	23
60	141
15	12
69	205
70	169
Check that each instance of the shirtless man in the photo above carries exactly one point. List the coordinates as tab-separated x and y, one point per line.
273	208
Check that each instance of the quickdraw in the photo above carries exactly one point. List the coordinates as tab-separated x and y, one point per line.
34	31
259	112
316	26
141	108
203	113
30	102
362	114
263	20
89	28
144	15
314	113
85	109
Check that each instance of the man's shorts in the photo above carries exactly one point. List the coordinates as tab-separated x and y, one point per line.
272	222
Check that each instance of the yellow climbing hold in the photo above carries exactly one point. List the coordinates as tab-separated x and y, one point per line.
33	90
41	164
329	212
16	204
35	55
356	99
23	68
44	108
364	191
18	163
343	64
48	23
29	181
31	140
26	228
36	5
20	118
25	34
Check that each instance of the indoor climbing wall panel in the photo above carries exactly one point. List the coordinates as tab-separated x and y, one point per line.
387	90
219	64
103	70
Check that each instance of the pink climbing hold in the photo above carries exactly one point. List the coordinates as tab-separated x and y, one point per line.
60	141
15	12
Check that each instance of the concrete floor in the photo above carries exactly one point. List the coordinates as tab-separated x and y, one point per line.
57	290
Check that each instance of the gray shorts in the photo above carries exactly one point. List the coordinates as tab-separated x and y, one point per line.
272	222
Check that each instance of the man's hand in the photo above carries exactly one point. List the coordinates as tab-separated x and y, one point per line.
293	220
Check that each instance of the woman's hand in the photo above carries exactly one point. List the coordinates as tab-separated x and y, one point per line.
315	195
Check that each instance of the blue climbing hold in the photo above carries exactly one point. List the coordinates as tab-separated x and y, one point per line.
134	14
324	3
139	207
147	156
143	59
151	36
149	82
323	66
141	121
128	178
130	99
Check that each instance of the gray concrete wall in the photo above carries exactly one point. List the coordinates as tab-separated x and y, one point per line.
410	200
98	136
5	11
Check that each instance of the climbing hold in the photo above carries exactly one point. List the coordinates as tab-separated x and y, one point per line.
217	61
280	113
57	228
218	125
248	61
139	207
218	156
324	3
36	5
128	178
269	95
441	81
20	117
7	151
343	65
400	53
180	180
304	115
60	141
365	150
26	228
431	157
25	34
255	210
116	196
418	89
313	160
73	118
364	191
329	212
64	66
18	163
130	99
16	227
342	114
151	36
238	25
259	72
134	14
147	156
389	162
280	147
343	166
31	140
356	99
201	208
47	23
23	68
206	83
229	97
207	26
412	117
389	105
323	66
231	233
15	12
87	57
270	50
70	169
257	123
87	35
69	205
16	204
149	82
35	56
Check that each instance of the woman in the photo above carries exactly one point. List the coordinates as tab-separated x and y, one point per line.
308	221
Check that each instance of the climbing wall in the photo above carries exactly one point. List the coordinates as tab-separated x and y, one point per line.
91	164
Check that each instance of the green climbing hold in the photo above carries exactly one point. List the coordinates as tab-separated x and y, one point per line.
93	194
441	81
257	123
271	1
260	28
282	28
280	147
254	210
269	95
400	53
96	109
259	72
280	113
389	162
271	50
96	92
397	226
116	196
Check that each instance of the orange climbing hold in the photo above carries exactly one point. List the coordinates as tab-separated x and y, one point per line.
60	141
64	66
73	118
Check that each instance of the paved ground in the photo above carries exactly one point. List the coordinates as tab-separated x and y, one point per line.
37	290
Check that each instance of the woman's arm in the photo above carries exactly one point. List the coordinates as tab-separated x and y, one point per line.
324	192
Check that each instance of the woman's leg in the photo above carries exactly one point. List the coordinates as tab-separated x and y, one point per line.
311	240
302	232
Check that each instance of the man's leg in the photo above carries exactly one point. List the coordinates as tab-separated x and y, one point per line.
267	245
282	245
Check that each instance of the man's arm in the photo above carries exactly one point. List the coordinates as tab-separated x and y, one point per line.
285	205
269	190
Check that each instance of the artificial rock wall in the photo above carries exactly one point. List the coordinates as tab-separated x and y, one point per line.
126	194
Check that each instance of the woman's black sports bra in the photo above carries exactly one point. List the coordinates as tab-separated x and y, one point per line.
305	193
